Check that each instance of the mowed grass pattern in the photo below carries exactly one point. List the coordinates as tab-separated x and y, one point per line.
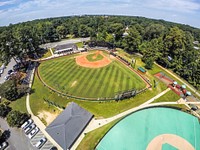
66	76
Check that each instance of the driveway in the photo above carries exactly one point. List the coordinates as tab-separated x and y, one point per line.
5	72
17	139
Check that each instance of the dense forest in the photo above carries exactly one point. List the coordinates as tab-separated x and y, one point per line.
169	44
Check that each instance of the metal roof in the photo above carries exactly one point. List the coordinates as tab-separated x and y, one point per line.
64	46
67	127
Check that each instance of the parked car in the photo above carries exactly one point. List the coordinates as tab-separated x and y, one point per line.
26	124
41	142
3	145
33	132
10	71
53	148
7	77
29	129
1	71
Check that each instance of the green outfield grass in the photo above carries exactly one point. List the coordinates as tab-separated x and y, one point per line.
66	76
98	57
170	96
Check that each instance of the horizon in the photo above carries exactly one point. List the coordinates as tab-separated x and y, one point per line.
178	11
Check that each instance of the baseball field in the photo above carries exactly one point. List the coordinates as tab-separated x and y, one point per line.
68	75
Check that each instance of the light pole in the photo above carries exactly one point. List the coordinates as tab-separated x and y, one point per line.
114	40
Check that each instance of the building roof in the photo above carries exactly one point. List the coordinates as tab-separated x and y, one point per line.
66	128
64	46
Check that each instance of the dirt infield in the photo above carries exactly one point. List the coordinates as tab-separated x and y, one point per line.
84	62
174	140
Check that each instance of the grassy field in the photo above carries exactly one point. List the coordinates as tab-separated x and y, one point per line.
92	138
98	57
80	44
47	54
99	109
19	104
168	97
66	76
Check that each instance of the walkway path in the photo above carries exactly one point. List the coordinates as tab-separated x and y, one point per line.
51	52
36	120
175	76
94	124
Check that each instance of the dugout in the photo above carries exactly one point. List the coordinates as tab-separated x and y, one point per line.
142	70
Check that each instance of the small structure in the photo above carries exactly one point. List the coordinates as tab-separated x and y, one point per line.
67	127
66	48
195	47
188	93
142	70
183	86
174	84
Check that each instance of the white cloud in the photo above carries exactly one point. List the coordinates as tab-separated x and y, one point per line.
174	5
7	2
160	9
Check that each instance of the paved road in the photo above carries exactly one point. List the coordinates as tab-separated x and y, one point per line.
9	66
17	139
68	41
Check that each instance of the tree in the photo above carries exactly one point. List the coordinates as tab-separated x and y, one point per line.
149	63
153	31
8	90
132	41
16	118
61	31
4	110
83	31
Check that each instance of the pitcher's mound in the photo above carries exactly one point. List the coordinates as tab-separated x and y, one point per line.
84	62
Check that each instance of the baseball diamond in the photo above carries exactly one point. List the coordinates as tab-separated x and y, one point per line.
65	75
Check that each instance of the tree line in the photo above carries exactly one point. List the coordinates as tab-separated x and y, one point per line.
169	44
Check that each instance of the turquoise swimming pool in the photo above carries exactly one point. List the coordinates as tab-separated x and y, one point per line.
137	130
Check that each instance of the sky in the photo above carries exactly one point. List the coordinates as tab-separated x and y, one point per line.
180	11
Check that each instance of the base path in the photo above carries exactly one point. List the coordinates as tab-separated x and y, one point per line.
84	62
174	140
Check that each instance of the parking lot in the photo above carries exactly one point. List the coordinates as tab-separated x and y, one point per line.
37	137
34	136
5	72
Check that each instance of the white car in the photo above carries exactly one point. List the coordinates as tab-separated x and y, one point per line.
1	71
7	77
29	129
3	145
33	132
26	124
41	142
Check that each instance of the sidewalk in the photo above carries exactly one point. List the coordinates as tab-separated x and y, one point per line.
36	120
95	124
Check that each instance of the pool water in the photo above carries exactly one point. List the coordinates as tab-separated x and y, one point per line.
137	130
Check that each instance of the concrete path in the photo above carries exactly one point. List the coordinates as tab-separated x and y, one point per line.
51	52
36	120
178	78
